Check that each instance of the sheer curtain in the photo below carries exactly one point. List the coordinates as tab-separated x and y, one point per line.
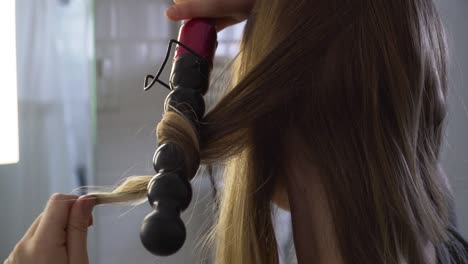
55	114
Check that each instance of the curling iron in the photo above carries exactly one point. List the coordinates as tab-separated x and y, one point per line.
169	192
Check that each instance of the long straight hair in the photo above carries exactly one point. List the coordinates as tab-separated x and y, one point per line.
363	85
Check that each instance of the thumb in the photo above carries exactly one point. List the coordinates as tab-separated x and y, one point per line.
77	230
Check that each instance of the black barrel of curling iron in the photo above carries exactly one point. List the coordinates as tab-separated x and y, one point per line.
169	191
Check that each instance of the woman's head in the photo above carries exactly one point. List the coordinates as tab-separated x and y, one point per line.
362	84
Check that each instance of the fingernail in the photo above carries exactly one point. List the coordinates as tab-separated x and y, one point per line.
172	11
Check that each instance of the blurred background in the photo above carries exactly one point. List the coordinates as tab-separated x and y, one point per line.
83	118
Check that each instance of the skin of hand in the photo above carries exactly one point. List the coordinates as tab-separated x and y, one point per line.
58	235
227	12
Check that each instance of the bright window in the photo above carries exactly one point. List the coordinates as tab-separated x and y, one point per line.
9	152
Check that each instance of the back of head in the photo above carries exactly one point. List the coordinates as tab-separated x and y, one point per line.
363	84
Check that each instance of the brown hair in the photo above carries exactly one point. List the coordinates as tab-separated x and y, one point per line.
363	85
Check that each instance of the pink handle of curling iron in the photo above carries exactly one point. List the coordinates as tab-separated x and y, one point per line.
200	35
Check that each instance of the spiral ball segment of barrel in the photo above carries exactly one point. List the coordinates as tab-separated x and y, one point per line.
169	157
167	238
188	102
163	232
190	72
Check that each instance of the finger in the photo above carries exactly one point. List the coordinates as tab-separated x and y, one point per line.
225	22
194	8
32	229
77	230
55	218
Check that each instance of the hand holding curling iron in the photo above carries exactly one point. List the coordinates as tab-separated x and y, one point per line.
227	12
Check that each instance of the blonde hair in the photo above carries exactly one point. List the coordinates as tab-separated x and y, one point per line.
363	84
